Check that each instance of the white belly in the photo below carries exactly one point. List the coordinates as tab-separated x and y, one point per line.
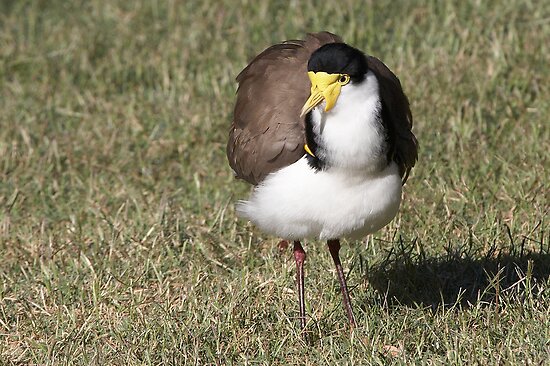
298	202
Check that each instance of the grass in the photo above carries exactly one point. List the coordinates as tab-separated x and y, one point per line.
119	242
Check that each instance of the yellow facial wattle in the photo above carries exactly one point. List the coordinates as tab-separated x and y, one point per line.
325	87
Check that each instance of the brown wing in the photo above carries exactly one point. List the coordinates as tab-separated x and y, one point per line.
397	117
267	132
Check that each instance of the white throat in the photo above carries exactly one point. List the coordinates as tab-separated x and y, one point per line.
351	136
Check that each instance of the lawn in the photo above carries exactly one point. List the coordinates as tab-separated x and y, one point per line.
119	242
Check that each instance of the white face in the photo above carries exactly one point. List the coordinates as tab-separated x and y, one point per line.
354	95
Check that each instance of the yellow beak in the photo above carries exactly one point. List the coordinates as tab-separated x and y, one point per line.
323	87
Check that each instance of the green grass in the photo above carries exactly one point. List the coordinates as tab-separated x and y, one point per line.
119	242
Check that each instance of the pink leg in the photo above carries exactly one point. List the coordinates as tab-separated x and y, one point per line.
334	248
300	257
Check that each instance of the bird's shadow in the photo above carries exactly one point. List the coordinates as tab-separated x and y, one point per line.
463	275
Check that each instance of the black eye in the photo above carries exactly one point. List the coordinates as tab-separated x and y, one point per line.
343	78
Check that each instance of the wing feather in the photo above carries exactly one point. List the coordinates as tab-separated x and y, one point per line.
267	132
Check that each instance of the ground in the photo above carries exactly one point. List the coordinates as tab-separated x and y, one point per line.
119	242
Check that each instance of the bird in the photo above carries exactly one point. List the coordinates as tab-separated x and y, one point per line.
323	132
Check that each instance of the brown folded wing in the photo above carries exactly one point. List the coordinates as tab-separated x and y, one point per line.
267	132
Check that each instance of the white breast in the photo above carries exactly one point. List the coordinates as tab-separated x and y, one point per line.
298	202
